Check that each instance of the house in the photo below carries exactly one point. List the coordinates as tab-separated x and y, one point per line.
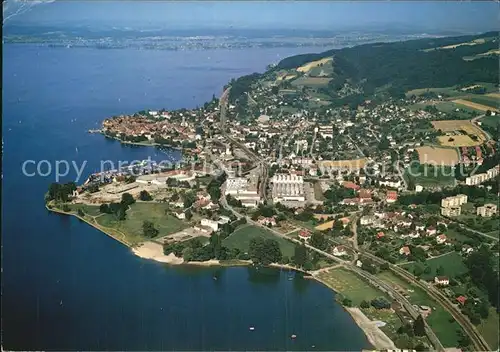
366	220
351	185
339	251
380	235
180	214
440	239
405	250
364	194
359	263
391	196
304	235
431	231
461	299
418	188
214	225
467	249
441	280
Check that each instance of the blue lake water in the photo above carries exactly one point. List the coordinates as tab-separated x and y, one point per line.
66	286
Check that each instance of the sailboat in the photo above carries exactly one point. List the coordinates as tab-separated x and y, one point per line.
76	148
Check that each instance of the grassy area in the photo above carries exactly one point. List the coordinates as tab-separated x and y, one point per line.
92	210
131	227
492	121
350	285
452	265
440	321
241	239
489	329
430	176
487	100
446	91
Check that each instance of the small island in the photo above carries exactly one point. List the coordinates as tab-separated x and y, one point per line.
371	169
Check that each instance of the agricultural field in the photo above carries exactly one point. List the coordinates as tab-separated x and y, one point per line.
131	227
481	55
350	285
452	265
430	175
446	91
491	100
476	106
242	236
438	156
310	65
474	135
314	82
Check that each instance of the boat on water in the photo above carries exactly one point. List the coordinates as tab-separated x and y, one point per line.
251	328
293	336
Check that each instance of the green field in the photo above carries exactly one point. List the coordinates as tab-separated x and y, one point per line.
484	100
241	239
430	176
440	321
452	265
492	121
446	91
311	82
131	227
350	285
489	329
92	210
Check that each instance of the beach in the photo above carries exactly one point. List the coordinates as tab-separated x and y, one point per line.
376	336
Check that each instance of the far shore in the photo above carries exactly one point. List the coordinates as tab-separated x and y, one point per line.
154	251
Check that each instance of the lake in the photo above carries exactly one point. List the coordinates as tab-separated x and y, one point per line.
66	286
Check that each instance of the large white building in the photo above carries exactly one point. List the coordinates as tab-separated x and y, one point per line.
288	190
483	177
244	190
455	201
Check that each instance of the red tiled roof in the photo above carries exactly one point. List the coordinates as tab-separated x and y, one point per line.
461	299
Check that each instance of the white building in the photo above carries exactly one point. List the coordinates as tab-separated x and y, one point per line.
339	251
244	189
487	210
288	190
455	201
214	225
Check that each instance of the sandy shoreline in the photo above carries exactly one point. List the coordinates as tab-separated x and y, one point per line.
376	336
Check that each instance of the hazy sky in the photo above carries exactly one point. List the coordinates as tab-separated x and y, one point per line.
470	15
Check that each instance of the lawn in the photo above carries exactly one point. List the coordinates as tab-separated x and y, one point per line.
350	285
452	265
489	329
440	321
487	100
242	236
92	210
131	227
447	91
430	176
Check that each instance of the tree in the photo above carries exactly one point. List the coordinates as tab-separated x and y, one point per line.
148	229
419	326
300	255
346	302
263	251
318	240
80	213
104	208
127	199
439	271
145	196
364	304
188	214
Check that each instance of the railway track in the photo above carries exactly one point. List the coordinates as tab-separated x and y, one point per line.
479	343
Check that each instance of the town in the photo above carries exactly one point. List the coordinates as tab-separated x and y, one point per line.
396	198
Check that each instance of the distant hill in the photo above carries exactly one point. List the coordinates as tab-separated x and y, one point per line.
397	67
